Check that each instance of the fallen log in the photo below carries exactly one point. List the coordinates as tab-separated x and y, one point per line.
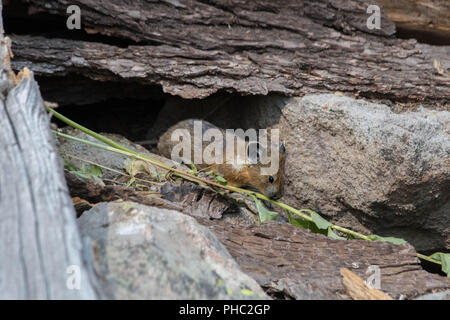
41	252
248	47
292	263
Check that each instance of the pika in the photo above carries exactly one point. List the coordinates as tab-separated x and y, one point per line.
244	169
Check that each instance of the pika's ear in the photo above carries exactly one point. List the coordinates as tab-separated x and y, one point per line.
283	148
254	152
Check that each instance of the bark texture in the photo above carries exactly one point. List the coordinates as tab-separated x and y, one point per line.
40	247
293	263
196	48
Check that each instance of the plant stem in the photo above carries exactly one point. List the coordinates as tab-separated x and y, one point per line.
111	169
115	147
183	174
138	156
429	259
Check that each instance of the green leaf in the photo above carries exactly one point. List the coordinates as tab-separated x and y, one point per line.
320	222
299	223
220	180
386	239
69	165
95	171
444	258
309	225
193	169
85	172
84	169
333	235
318	226
264	213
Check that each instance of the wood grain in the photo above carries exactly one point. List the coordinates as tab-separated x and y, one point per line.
196	48
39	239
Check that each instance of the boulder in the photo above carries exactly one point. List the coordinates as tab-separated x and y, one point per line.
143	252
370	169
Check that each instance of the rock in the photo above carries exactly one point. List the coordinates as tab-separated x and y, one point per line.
106	158
443	295
143	252
369	168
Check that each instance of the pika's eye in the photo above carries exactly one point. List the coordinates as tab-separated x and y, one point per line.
271	179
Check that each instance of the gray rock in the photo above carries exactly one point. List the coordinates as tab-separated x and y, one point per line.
370	169
443	295
143	252
106	158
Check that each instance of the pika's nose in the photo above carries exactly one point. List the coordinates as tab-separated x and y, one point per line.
275	195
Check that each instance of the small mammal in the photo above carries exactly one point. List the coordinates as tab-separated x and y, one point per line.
248	175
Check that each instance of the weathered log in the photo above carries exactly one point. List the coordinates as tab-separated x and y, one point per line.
293	263
153	21
249	47
40	247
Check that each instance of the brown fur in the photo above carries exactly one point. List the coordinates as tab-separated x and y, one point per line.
249	176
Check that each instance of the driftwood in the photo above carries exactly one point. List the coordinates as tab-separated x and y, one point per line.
39	239
293	263
248	47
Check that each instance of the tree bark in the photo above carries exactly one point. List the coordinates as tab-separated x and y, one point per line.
196	48
292	263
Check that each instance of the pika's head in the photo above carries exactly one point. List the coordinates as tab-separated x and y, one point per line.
266	176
